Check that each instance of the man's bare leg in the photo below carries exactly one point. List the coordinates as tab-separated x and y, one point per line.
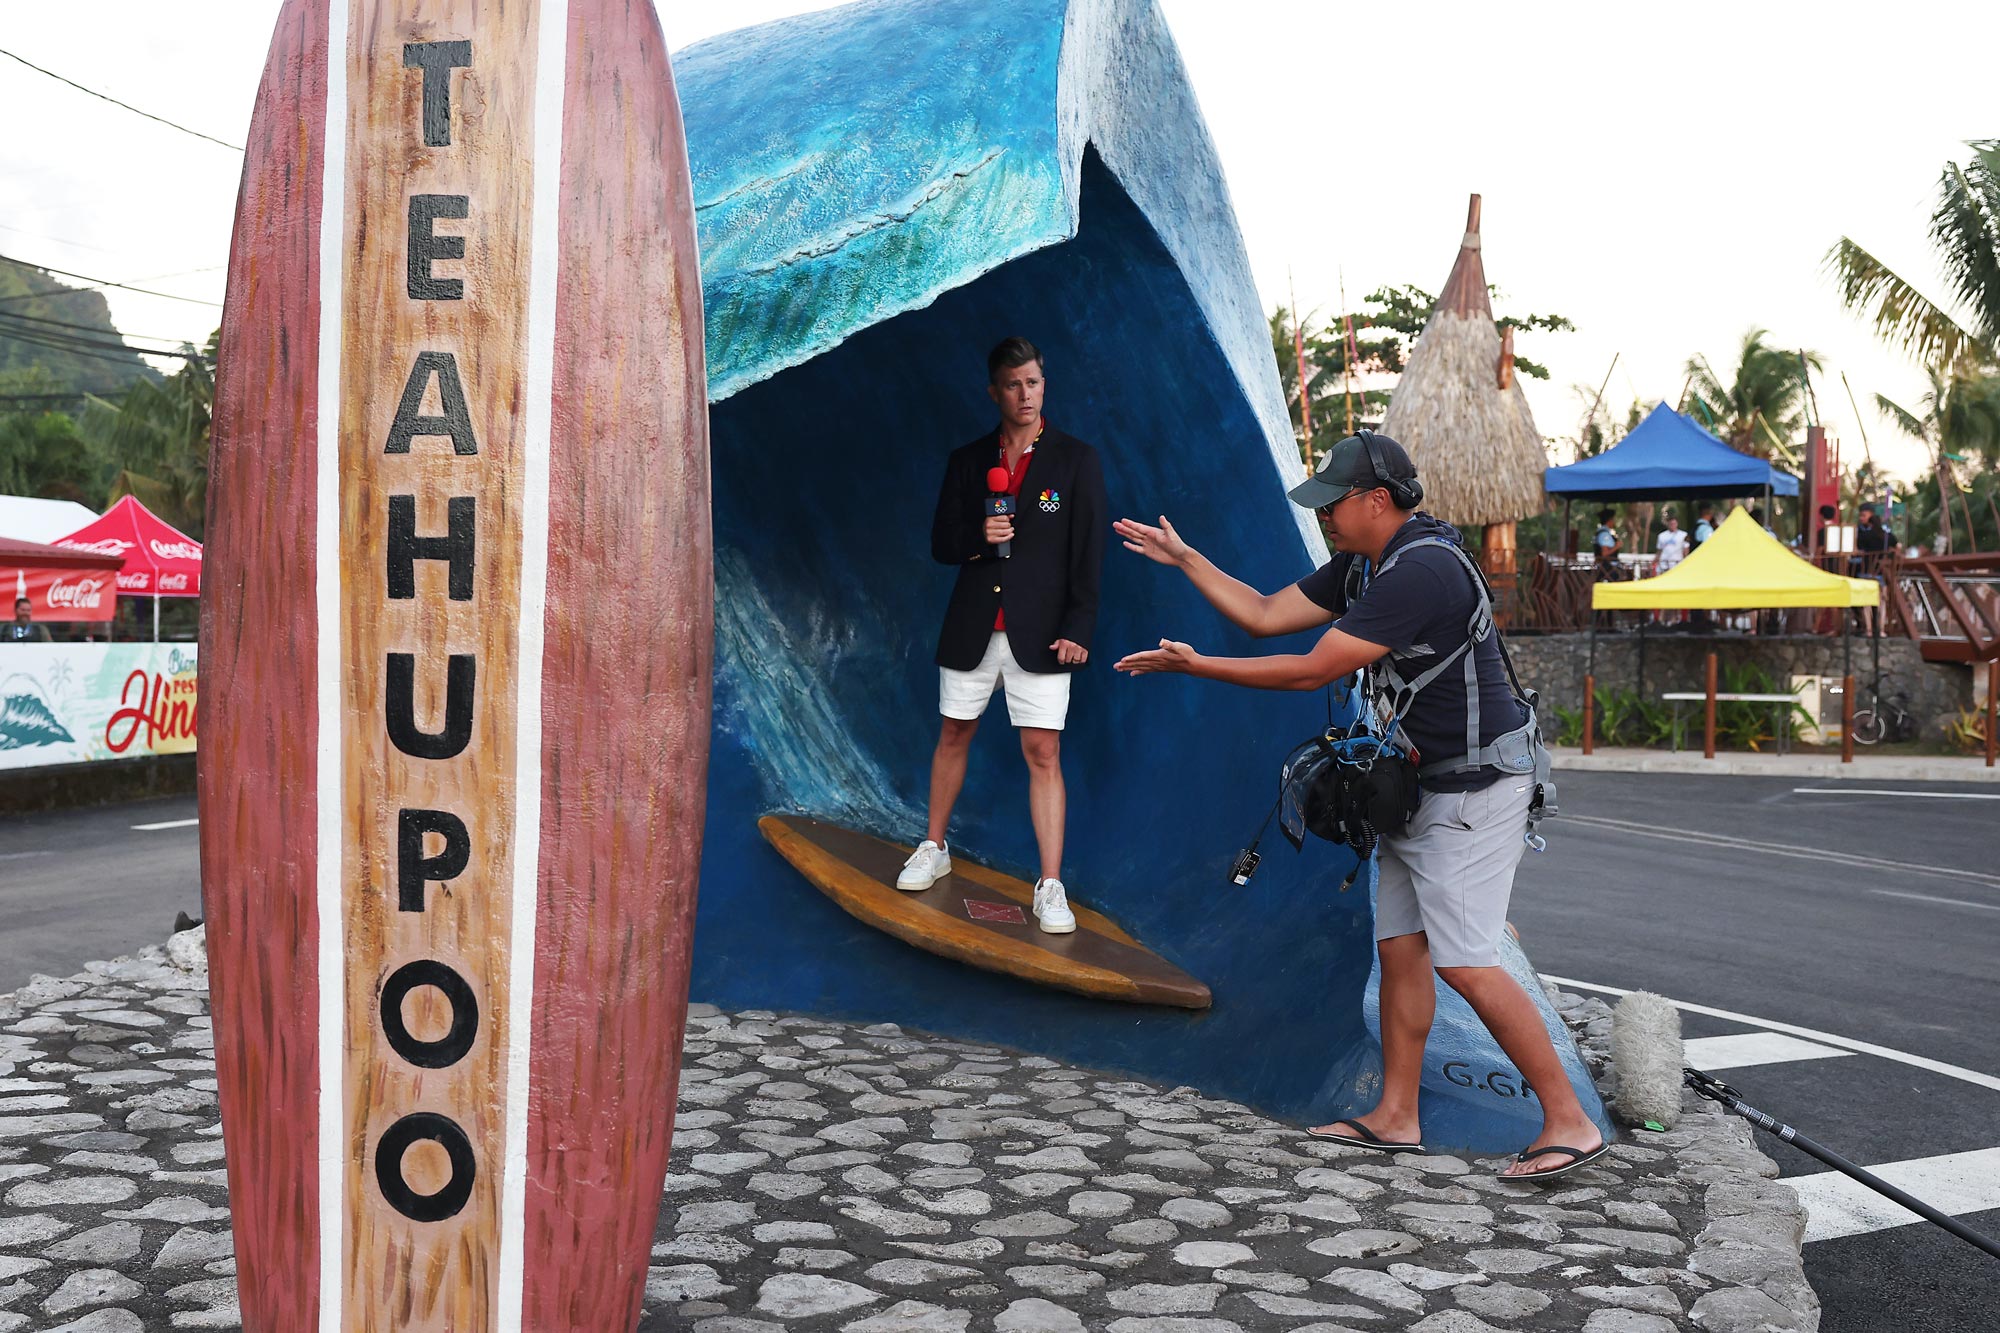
1408	1004
1048	802
948	772
1516	1024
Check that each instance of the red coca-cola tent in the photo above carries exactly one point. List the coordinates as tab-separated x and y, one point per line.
62	585
160	559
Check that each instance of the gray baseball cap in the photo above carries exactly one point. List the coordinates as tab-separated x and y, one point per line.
1347	469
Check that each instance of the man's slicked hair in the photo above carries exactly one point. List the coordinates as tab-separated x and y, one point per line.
1009	353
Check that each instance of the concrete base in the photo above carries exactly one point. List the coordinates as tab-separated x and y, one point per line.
1869	767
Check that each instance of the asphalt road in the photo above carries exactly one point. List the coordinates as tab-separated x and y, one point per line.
79	885
1870	917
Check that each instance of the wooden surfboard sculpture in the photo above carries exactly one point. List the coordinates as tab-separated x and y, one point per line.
979	917
456	663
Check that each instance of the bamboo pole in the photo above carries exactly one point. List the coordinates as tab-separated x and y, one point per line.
1708	711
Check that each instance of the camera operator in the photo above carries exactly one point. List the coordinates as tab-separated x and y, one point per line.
1402	607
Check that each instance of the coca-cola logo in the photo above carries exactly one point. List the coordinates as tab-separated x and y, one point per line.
102	546
173	582
175	550
84	594
137	581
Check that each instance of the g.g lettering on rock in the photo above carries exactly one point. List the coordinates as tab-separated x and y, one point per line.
453	767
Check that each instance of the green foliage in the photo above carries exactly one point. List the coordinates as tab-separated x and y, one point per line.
1385	328
157	436
47	324
1628	718
41	452
1762	408
1965	237
1966	731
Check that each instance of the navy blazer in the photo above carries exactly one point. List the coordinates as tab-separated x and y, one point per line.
1049	584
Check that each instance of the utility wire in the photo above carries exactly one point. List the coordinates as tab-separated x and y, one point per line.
106	282
91	328
96	329
115	102
81	347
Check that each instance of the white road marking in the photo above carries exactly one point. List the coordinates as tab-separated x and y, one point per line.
1956	1183
1742	1050
1927	898
1885	791
1972	1076
168	823
1819	855
328	767
22	856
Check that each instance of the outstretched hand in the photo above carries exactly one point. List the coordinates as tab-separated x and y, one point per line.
1169	656
1162	545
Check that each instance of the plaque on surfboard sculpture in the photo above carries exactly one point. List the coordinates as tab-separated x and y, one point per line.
456	661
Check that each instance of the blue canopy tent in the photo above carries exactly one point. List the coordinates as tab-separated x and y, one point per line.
1668	456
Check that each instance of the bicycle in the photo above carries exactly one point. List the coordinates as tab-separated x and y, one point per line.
1884	717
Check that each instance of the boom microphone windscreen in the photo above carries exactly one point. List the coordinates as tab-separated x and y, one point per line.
1646	1051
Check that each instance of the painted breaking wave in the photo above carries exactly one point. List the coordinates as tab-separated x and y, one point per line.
887	189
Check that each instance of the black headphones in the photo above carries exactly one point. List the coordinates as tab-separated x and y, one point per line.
1407	494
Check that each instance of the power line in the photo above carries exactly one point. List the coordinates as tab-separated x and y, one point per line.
91	328
80	347
106	282
115	102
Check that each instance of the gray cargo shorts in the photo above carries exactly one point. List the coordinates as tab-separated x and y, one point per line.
1450	874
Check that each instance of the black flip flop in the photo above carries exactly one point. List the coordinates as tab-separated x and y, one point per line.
1578	1160
1366	1138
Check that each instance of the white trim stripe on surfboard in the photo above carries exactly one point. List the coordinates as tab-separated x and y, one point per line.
328	777
544	253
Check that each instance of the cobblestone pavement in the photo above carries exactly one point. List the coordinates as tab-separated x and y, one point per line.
864	1179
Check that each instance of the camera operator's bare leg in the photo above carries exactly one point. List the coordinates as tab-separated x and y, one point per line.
948	772
1408	1004
1047	799
1516	1024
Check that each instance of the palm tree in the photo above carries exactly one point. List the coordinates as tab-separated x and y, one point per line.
1764	405
159	435
1965	234
1958	417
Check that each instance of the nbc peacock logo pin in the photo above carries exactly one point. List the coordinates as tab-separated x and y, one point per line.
1050	501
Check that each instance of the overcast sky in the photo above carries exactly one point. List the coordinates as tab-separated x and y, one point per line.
1664	175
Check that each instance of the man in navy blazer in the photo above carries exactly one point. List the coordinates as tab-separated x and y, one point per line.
1022	613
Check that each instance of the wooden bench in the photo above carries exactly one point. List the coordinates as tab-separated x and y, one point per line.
1781	704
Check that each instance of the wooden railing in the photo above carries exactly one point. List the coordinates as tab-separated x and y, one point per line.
1948	604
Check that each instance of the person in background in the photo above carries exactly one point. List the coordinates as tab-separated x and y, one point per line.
1704	523
1605	543
1873	547
1672	544
24	629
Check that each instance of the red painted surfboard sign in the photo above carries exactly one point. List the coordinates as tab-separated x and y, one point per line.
456	664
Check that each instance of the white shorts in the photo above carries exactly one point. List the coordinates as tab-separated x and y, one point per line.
1450	874
1034	698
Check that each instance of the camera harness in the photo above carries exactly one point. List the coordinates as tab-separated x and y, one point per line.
1355	786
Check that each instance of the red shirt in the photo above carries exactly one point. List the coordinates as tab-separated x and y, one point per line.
1020	471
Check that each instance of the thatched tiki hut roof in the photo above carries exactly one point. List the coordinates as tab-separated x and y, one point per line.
1459	409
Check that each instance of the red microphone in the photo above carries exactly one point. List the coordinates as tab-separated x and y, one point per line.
999	503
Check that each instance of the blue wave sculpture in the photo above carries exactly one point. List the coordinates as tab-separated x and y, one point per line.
883	192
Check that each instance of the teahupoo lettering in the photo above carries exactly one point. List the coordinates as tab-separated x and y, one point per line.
419	872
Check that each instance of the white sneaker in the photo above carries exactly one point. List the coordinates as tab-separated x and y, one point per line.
926	866
1052	908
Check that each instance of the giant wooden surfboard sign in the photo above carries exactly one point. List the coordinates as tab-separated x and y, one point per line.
456	665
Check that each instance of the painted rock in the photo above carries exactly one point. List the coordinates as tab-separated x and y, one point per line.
455	660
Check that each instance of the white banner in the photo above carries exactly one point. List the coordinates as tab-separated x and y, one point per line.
67	703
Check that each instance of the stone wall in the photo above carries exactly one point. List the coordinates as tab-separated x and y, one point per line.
1554	664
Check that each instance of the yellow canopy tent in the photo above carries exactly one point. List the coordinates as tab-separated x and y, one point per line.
1741	567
